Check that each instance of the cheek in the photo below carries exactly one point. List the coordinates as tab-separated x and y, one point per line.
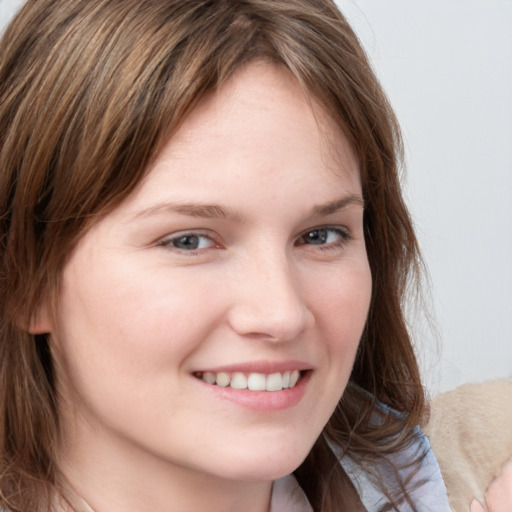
129	324
126	300
343	302
341	317
341	307
123	341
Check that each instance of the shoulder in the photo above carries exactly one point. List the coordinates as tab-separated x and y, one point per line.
427	484
415	465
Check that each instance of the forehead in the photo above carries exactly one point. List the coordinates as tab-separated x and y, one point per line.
273	97
260	125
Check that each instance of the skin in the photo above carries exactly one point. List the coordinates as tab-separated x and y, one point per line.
140	314
498	497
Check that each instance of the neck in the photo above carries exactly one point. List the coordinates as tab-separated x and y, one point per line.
101	475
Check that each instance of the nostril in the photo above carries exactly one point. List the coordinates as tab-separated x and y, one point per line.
275	323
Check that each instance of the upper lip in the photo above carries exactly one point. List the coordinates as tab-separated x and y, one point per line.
266	367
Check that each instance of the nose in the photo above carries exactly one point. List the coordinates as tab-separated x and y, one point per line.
268	300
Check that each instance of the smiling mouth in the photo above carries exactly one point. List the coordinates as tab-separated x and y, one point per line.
252	381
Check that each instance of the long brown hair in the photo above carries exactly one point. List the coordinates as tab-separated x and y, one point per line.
89	93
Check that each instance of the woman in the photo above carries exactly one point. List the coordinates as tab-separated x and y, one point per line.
205	254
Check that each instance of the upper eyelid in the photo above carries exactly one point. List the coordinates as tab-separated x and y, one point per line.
192	232
343	229
167	239
344	234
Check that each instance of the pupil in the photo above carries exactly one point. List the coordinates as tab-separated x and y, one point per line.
187	242
318	236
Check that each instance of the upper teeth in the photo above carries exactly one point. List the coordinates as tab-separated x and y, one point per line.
252	381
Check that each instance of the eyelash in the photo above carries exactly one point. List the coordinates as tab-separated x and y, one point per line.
175	239
342	234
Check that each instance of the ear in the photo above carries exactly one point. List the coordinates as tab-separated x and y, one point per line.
40	321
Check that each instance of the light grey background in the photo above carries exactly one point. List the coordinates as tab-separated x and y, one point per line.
7	9
447	67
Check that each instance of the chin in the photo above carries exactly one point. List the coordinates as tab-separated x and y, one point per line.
267	464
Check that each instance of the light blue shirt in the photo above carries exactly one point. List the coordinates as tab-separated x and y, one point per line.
425	485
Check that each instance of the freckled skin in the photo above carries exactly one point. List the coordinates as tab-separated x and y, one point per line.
141	312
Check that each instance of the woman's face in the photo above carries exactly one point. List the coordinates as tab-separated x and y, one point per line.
239	261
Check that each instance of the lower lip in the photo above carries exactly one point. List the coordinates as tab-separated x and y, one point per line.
262	401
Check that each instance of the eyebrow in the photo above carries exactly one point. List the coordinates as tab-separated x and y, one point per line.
338	204
215	211
205	211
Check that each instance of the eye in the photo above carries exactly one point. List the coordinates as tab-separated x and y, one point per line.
328	236
188	242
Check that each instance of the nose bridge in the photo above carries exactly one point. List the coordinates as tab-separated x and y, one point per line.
269	302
